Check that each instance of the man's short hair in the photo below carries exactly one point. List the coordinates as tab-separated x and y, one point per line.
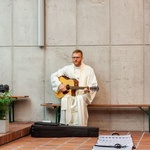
78	51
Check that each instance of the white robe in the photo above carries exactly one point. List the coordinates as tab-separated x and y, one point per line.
74	108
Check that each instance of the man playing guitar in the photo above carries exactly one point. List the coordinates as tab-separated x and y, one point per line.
74	107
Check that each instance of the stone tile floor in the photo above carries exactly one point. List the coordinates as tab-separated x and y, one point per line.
141	141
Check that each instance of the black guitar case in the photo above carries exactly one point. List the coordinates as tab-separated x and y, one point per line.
46	129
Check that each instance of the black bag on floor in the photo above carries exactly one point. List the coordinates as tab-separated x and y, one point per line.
46	129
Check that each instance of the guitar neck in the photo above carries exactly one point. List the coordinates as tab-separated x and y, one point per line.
94	88
76	87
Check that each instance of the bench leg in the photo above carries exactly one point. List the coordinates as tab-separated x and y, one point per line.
147	113
11	112
149	117
57	112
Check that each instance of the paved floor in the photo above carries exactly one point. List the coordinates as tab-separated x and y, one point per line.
141	141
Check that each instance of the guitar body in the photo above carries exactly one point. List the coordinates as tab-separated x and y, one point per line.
66	81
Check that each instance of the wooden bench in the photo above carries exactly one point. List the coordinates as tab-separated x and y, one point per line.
140	106
11	108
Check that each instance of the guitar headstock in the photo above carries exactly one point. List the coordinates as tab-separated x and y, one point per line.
94	88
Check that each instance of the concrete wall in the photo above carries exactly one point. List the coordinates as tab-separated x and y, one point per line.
114	36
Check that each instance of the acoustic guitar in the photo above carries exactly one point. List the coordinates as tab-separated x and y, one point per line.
71	86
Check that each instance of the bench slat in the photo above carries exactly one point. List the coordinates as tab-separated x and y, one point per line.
101	105
119	105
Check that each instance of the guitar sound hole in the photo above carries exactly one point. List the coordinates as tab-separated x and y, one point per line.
67	87
65	92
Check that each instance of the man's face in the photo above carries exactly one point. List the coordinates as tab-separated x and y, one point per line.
77	59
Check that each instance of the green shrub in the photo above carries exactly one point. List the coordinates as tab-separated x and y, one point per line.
5	103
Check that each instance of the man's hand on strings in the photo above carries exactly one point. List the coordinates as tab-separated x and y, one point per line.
62	88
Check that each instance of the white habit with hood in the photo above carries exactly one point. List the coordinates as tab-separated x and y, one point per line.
74	108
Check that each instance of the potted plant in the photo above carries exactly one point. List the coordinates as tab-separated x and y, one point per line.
5	102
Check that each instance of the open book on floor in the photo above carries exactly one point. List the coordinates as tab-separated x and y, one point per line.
113	142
